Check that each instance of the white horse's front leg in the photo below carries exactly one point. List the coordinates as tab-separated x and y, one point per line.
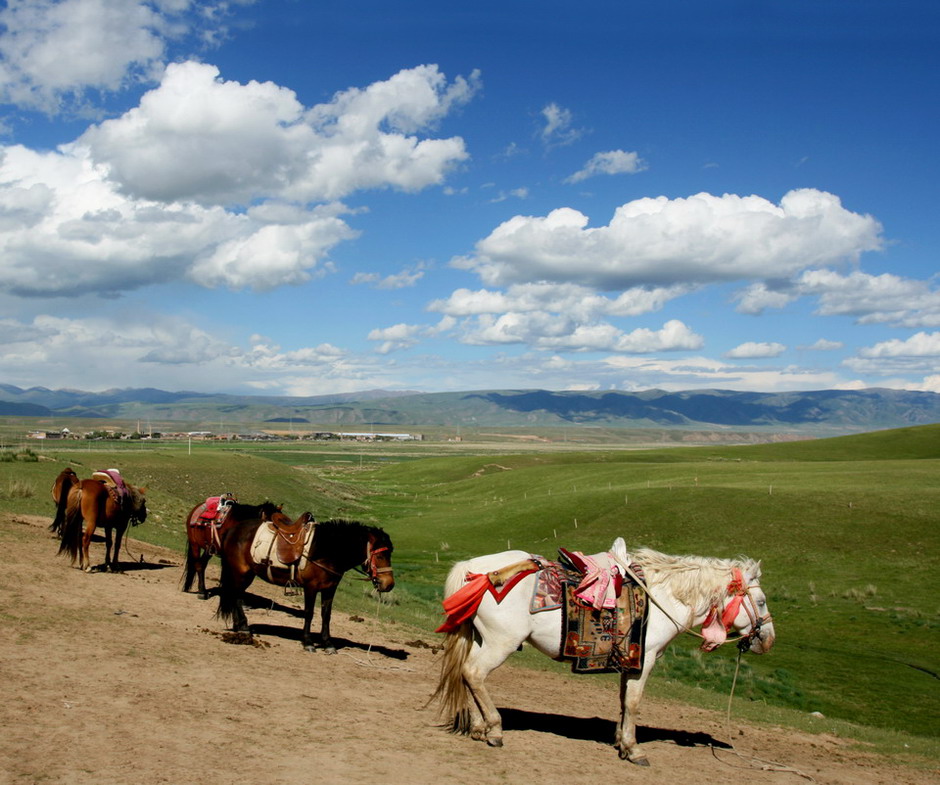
631	692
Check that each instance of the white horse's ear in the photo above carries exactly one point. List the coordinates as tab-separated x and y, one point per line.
619	550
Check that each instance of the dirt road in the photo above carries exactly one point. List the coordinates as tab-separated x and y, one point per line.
122	678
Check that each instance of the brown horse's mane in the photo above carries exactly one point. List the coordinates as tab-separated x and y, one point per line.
336	531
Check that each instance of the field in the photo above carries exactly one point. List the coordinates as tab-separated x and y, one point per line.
846	529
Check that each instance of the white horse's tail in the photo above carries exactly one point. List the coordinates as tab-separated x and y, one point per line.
452	694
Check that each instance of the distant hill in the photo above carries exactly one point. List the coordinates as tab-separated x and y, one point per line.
822	412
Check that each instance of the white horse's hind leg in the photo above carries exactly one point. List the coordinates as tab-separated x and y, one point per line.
487	655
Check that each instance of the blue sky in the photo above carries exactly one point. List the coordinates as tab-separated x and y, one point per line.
299	197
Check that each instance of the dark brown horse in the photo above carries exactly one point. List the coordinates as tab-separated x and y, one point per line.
205	536
90	504
327	550
60	493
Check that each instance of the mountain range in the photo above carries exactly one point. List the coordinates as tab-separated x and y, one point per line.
831	411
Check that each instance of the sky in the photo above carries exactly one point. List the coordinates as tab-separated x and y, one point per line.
306	197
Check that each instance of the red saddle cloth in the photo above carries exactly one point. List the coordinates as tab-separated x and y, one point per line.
214	509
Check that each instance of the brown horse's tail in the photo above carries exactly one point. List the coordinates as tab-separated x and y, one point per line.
63	484
228	597
189	573
72	526
452	693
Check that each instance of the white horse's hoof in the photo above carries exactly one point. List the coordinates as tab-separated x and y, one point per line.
495	742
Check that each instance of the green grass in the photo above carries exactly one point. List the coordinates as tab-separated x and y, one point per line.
846	529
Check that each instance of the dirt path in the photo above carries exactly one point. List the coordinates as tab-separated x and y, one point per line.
123	678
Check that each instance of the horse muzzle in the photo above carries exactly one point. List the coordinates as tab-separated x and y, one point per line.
384	581
762	639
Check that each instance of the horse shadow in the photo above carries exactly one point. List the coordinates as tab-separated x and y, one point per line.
599	730
296	634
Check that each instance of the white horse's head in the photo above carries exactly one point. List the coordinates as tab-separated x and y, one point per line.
753	620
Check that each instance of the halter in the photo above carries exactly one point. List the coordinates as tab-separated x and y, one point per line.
738	592
369	566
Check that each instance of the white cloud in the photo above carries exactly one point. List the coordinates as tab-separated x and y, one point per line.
757	297
824	345
873	299
578	302
542	330
611	162
699	239
65	230
558	130
99	216
920	345
916	355
406	278
52	50
754	350
226	143
396	337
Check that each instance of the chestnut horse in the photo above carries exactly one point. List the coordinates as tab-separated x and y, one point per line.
90	504
333	547
60	493
205	537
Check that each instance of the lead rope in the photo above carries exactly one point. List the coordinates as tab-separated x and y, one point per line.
752	761
373	629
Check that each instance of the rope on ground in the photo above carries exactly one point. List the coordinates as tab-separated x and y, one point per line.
752	761
368	662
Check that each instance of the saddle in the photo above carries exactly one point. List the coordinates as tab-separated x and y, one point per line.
113	483
214	510
290	537
284	544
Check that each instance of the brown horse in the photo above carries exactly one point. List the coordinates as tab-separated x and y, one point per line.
328	549
205	537
91	504
60	493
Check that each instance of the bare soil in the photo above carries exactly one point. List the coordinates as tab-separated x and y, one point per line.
122	678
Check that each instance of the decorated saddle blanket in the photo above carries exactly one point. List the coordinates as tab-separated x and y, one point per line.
595	639
604	640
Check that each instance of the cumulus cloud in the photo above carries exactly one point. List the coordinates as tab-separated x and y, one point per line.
757	297
548	331
756	349
920	345
222	142
872	299
699	239
611	162
60	55
98	216
71	232
50	50
575	301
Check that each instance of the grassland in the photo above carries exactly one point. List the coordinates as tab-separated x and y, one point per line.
846	529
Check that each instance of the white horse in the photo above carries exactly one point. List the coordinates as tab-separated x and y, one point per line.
684	591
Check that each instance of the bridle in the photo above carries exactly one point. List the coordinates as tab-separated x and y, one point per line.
369	566
738	592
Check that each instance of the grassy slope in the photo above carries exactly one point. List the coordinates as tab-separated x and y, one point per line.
845	538
845	527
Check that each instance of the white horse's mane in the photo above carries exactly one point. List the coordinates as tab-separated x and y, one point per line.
692	579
